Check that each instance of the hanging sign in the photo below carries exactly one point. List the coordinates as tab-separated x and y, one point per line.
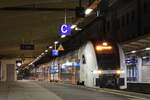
27	47
65	29
60	48
55	52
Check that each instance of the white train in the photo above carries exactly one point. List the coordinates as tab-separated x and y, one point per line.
93	64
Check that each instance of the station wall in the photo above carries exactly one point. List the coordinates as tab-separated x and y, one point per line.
8	70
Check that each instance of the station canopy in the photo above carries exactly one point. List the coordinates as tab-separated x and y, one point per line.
140	44
38	27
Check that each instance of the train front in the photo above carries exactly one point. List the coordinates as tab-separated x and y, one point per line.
109	62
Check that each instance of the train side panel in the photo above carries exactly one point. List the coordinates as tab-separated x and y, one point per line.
123	67
88	64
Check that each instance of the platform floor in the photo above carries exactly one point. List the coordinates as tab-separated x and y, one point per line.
31	90
25	90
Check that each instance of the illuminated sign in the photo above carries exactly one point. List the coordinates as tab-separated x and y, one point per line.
55	52
65	29
60	48
101	47
131	60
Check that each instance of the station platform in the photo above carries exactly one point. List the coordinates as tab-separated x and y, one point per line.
25	90
35	90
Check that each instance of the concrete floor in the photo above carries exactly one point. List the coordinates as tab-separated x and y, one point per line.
25	90
30	90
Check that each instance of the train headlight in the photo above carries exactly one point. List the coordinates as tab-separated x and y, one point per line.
119	72
98	72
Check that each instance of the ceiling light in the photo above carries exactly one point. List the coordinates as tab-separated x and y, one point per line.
46	50
147	48
73	26
30	64
88	11
133	51
63	36
19	64
78	29
42	54
50	47
56	42
144	57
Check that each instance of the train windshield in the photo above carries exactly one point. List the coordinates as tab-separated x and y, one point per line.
109	59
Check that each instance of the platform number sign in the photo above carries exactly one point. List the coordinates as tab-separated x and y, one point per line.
55	52
65	29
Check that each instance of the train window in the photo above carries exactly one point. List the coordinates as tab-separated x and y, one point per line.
118	25
109	59
108	26
123	21
132	15
127	17
83	59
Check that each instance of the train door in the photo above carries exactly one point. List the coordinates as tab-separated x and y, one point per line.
75	72
133	69
10	72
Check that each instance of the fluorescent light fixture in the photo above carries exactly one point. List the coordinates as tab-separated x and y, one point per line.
50	47
42	54
56	42
46	50
147	48
78	29
30	64
63	36
133	51
73	26
88	11
144	57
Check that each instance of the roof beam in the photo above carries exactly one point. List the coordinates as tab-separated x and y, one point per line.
35	9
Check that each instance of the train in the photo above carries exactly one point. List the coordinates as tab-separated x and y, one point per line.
94	64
